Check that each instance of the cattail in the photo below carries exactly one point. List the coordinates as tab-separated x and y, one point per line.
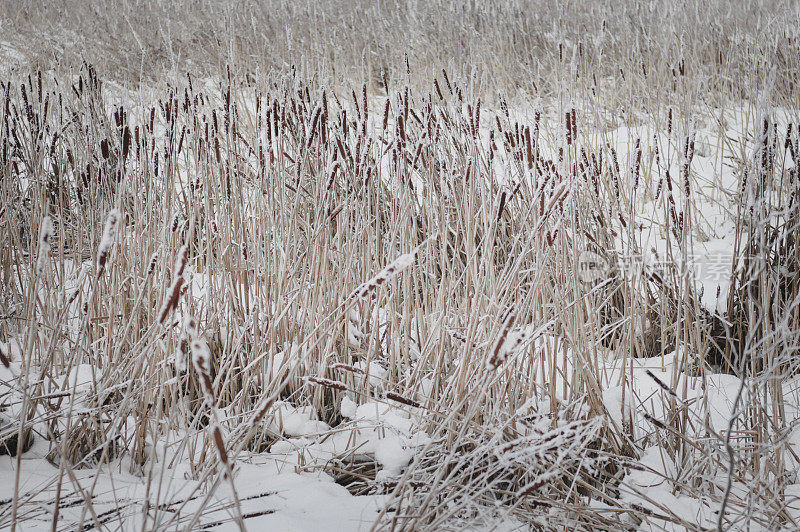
661	384
180	140
4	359
347	367
219	443
261	411
569	127
175	288
395	267
190	327
406	105
499	354
401	129
529	147
415	116
557	199
669	122
574	123
401	399
385	116
366	109
200	359
182	356
688	156
314	120
637	162
152	266
107	240
447	81
45	234
355	102
502	206
332	178
615	172
341	148
327	383
654	421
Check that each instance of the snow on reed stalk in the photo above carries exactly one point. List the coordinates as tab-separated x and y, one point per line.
107	240
45	234
392	269
388	272
200	361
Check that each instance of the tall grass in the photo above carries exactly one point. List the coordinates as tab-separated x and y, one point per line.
349	208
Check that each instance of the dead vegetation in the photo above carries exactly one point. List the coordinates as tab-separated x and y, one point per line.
175	265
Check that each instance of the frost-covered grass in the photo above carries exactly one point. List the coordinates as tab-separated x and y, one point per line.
379	294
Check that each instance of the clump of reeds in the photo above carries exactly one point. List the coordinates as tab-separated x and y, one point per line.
281	197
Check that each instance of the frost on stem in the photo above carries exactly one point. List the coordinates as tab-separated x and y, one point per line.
107	241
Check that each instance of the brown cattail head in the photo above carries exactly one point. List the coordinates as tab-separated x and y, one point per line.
499	354
637	163
152	266
4	360
347	367
174	292
569	127
669	122
219	443
385	115
661	384
687	164
327	383
401	399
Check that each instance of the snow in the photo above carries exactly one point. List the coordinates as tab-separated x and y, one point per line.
376	431
272	495
300	421
392	455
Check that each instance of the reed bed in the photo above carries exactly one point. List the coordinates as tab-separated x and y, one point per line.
181	261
